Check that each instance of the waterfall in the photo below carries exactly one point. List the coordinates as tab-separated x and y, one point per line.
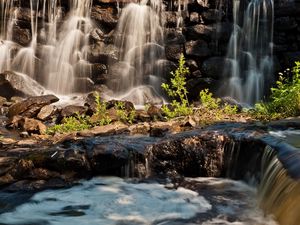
58	60
278	192
66	51
139	37
250	50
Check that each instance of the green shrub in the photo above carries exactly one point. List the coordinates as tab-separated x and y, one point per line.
284	99
177	90
101	111
71	124
124	115
208	101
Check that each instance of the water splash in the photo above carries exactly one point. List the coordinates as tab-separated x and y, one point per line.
139	37
250	50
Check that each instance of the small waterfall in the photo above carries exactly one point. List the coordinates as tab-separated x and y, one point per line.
250	50
54	56
279	194
139	37
66	51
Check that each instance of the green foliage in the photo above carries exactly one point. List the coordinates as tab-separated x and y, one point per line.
70	124
178	91
208	101
229	109
124	115
284	99
101	111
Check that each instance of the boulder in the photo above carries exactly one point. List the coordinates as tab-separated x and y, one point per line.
73	110
173	36
200	31
32	126
197	49
46	112
104	17
31	106
21	36
213	67
173	52
102	53
16	84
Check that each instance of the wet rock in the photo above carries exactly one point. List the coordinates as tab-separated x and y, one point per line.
195	18
97	35
197	49
213	15
155	113
2	101
21	36
142	115
31	106
174	36
22	169
285	23
200	31
140	128
73	110
158	131
171	18
213	67
46	112
173	52
102	53
32	126
203	156
104	17
15	84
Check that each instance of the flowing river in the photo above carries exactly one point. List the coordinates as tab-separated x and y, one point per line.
112	200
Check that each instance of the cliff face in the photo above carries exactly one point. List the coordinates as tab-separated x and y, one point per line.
200	30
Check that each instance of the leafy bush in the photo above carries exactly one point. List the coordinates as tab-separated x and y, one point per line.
101	111
208	101
70	124
284	99
177	90
123	114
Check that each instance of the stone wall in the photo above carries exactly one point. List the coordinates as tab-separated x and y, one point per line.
203	38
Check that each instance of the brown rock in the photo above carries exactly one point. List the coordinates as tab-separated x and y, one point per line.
31	106
111	129
32	126
73	110
46	112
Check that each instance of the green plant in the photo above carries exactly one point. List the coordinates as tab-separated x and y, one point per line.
230	109
177	90
70	124
208	101
101	111
284	99
123	114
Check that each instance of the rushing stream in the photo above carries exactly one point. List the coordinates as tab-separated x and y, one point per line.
113	200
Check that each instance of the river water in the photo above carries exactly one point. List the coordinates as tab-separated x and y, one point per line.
115	201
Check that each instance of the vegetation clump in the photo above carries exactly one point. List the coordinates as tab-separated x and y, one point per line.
124	115
177	90
101	112
71	124
284	99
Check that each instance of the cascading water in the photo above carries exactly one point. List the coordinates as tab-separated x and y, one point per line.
139	37
54	56
66	52
250	50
